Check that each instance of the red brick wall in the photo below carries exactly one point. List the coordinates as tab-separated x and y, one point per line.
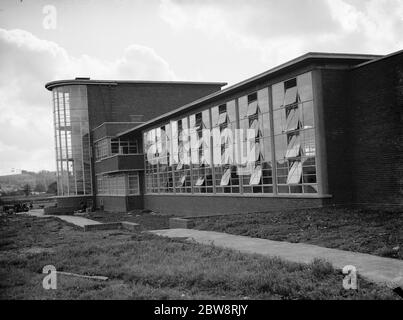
363	114
336	126
376	132
116	103
197	205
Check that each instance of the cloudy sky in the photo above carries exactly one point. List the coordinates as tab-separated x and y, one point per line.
227	40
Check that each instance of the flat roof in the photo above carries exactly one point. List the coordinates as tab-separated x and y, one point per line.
380	58
87	81
356	59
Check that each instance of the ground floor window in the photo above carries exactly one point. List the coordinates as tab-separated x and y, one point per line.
261	143
118	184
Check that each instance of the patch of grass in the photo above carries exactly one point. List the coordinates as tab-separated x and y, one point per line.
144	266
368	231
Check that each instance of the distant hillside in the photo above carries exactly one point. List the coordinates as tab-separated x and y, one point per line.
37	181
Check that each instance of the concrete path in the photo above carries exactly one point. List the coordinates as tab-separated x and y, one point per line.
76	220
377	269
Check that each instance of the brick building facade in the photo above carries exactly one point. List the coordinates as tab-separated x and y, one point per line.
327	130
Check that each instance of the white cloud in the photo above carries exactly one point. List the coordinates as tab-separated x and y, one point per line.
376	24
26	64
281	30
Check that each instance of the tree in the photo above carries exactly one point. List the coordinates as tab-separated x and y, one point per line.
39	187
27	189
52	188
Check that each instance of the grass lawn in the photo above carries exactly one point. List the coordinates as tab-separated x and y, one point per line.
375	232
144	266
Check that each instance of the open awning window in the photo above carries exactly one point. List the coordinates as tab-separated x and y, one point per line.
290	96
182	181
199	121
256	176
256	126
200	182
225	177
226	155
293	120
258	152
293	147
295	173
252	109
222	118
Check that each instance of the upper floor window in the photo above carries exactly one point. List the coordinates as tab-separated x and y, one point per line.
107	147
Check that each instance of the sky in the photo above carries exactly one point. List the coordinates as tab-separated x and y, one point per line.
195	40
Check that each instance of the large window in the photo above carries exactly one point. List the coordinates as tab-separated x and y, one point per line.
70	116
108	147
295	135
120	184
224	121
233	148
257	169
202	172
181	156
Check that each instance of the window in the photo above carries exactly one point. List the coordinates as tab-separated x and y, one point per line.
107	147
256	176
293	147
252	109
295	173
293	117
134	186
290	96
72	140
294	138
200	181
226	177
225	162
120	184
257	172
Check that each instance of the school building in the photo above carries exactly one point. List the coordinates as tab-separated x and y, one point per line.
322	129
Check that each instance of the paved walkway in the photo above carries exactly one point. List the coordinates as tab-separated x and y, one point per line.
76	220
377	269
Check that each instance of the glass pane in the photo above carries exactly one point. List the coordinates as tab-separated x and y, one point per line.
267	148
72	140
263	100
304	82
280	146
278	95
264	120
308	143
206	119
215	116
256	176
252	109
290	96
279	121
292	119
226	177
294	146
307	118
294	176
231	111
243	107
